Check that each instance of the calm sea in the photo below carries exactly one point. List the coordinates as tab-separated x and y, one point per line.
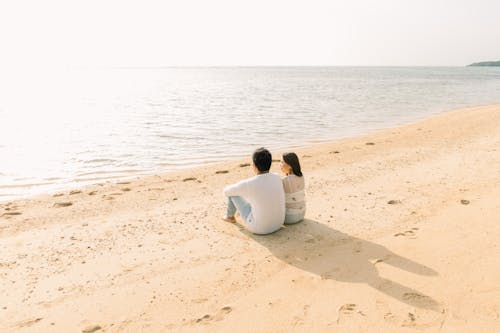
58	130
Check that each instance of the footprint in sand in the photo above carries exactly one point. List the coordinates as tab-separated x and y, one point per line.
11	213
196	300
93	193
221	314
427	312
357	247
203	319
58	195
123	183
242	165
299	319
389	316
335	152
370	144
407	233
418	299
91	329
63	204
188	179
221	172
330	274
393	202
345	311
464	202
75	192
126	189
28	322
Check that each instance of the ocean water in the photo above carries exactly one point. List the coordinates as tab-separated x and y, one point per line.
79	126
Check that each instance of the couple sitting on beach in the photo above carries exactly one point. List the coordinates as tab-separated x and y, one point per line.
266	201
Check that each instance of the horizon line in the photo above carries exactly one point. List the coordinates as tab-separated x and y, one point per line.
256	66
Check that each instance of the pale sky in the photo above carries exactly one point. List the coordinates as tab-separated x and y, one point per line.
219	32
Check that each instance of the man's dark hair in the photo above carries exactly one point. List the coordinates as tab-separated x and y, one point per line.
262	159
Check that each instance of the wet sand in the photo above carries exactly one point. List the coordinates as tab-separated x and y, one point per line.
401	234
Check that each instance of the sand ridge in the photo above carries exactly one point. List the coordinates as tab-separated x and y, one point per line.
400	235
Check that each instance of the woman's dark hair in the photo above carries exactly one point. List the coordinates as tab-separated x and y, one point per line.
262	159
292	160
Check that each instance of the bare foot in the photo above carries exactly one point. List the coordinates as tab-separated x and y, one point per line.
229	219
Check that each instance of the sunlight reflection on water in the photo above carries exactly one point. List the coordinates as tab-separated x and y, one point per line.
92	125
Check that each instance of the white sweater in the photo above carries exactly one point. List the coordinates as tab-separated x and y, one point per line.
265	194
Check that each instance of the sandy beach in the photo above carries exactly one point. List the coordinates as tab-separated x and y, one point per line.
401	235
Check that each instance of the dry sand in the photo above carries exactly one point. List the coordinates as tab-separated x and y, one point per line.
401	235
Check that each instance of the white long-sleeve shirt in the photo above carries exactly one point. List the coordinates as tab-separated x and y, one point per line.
265	194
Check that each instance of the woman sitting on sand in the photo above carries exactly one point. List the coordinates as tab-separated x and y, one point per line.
293	184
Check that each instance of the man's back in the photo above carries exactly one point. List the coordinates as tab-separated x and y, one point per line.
265	194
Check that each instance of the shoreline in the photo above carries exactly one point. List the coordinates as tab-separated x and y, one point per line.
395	220
80	184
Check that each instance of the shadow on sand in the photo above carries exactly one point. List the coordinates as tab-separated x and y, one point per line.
331	254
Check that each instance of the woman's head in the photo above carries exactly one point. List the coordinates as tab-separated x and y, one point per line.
290	164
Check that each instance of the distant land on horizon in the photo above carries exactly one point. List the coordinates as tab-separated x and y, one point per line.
486	63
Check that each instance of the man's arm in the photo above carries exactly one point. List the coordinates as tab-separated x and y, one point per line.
240	189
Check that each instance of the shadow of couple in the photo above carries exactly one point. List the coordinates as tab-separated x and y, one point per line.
331	254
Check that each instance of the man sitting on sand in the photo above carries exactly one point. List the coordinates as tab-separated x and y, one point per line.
260	199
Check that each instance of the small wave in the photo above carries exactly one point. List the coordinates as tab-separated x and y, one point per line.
99	160
95	179
184	138
19	179
109	172
199	160
167	136
52	178
167	164
13	186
